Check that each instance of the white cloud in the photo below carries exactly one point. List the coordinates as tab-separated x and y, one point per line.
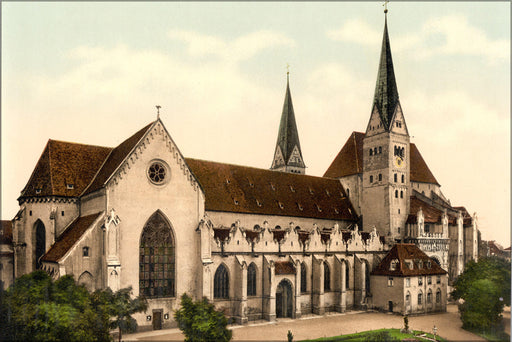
239	49
447	35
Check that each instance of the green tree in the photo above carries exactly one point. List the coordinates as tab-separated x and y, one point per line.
485	288
35	308
199	321
121	307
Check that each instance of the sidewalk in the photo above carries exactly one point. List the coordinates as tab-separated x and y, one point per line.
312	326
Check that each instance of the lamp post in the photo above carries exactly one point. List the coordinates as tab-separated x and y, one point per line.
435	332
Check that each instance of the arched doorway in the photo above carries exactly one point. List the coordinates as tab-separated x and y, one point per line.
284	299
40	245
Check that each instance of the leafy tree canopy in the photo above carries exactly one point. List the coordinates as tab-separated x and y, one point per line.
35	308
485	288
199	321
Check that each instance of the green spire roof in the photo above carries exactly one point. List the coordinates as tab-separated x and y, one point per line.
386	92
288	136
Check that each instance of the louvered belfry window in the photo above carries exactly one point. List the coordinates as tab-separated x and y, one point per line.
157	261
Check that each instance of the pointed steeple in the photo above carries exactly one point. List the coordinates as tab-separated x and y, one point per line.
288	154
386	91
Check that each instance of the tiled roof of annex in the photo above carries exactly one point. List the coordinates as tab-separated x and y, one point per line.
349	161
406	259
430	213
69	237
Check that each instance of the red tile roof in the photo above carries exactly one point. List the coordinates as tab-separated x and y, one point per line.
114	159
403	252
430	213
243	189
6	232
349	161
69	237
419	169
284	267
63	163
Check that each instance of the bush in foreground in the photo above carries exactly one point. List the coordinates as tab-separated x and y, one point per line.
199	321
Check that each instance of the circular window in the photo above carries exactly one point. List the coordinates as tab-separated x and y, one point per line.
157	173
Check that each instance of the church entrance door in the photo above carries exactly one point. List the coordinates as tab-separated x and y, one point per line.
284	299
157	320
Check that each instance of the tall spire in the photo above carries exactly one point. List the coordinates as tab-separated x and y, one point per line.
288	154
386	91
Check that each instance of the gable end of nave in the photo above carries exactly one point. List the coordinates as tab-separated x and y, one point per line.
157	131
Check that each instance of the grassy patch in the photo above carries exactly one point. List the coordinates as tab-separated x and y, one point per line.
377	336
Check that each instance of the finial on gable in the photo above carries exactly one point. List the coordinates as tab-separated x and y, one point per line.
385	6
158	111
287	72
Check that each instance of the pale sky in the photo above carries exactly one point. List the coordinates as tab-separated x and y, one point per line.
93	72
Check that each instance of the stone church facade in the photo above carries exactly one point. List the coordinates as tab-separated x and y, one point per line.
258	243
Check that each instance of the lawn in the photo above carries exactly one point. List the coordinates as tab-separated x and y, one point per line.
379	335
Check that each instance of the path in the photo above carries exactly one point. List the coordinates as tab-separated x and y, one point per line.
447	323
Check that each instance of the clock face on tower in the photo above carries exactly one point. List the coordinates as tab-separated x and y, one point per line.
399	161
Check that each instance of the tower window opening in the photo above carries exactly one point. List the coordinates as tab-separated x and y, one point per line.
380	149
396	193
380	177
403	178
401	194
371	179
396	177
375	150
371	152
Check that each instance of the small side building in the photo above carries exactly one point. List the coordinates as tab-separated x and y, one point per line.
408	281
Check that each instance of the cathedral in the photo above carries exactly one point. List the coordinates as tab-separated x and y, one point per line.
374	232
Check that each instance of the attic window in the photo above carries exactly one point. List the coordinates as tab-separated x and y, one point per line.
70	186
300	207
236	202
251	184
318	208
280	205
38	191
85	251
228	181
393	265
292	189
258	203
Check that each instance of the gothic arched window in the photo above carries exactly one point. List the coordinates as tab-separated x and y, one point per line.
221	283
251	280
347	275
40	242
327	277
157	261
303	278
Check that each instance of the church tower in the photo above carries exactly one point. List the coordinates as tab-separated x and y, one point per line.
288	155
386	166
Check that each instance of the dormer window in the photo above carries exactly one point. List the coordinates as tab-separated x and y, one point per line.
311	191
38	191
236	202
273	187
327	192
300	207
258	203
280	205
393	265
292	189
70	186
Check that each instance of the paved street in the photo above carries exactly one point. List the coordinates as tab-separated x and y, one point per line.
448	324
